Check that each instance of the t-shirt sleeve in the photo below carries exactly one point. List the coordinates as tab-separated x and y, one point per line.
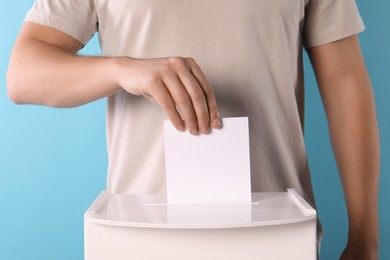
330	20
77	18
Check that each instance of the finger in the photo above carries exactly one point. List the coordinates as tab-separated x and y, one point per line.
163	98
215	121
183	102
198	101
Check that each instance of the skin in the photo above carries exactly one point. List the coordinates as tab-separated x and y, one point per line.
349	104
44	55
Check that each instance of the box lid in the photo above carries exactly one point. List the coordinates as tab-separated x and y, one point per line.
152	211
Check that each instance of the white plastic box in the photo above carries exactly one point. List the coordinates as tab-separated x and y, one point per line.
277	225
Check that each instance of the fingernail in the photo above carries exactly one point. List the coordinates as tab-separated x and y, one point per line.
216	123
194	132
182	128
205	130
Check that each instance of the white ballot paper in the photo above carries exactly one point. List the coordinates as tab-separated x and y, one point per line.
208	169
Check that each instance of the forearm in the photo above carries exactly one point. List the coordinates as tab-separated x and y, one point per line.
349	103
44	69
353	128
40	73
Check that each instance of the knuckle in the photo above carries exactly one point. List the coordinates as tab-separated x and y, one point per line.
177	61
213	108
214	115
191	60
152	79
208	90
183	100
214	112
203	118
198	95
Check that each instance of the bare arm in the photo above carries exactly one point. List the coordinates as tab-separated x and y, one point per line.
45	69
349	104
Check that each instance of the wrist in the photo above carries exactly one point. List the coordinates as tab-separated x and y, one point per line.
116	69
364	244
353	252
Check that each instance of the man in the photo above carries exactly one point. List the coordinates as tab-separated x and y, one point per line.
247	54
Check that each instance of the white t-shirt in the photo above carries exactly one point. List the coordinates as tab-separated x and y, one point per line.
251	54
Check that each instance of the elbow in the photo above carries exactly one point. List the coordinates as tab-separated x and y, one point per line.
21	93
20	90
14	89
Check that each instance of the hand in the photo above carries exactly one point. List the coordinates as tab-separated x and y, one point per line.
177	85
355	252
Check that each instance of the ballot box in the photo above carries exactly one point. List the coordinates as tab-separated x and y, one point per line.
276	225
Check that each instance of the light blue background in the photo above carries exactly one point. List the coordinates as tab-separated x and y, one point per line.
53	161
